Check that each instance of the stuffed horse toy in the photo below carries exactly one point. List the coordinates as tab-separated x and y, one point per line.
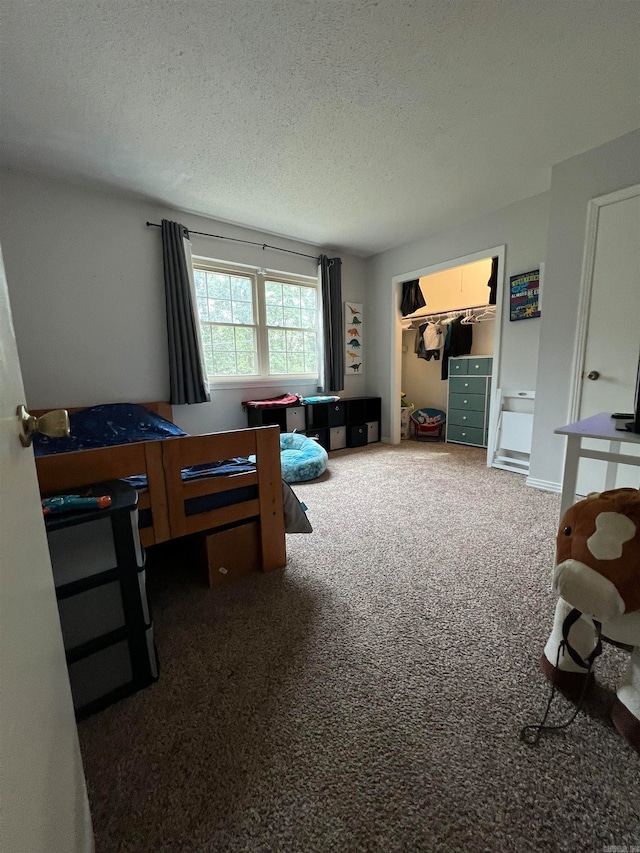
597	576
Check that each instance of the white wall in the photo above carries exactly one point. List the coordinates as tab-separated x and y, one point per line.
86	285
522	227
574	182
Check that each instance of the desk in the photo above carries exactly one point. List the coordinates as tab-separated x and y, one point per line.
603	427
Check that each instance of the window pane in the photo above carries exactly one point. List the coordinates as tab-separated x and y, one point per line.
200	279
307	319
295	341
245	340
295	363
222	338
311	362
274	316
224	364
203	308
241	289
308	298
277	341
277	362
206	347
291	295
273	293
219	285
220	310
310	342
291	316
242	312
246	362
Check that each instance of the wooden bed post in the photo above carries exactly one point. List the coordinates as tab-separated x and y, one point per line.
272	533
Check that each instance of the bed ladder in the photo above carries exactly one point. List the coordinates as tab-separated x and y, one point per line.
514	429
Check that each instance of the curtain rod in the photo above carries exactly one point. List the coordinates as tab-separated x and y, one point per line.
238	240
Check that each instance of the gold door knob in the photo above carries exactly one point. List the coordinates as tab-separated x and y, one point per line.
54	424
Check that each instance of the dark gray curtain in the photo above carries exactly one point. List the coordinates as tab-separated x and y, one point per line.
333	326
187	381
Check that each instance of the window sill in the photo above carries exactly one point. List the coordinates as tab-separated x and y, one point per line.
251	382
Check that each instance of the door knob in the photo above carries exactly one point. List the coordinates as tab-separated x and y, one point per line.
54	424
593	374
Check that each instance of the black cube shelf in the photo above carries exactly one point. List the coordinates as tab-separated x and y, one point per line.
348	422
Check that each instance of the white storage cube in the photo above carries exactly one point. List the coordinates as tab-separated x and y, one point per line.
337	438
295	419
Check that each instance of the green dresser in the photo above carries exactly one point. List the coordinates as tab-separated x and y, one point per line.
468	402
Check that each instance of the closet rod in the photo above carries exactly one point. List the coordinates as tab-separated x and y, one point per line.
238	240
417	316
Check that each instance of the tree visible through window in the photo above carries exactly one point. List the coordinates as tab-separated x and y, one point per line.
256	326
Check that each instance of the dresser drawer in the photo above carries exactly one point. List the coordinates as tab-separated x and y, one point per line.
458	366
480	366
475	402
467	385
467	418
465	435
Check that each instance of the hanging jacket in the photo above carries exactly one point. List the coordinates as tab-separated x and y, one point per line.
412	297
458	342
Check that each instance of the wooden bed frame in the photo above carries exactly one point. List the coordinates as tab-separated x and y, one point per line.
162	460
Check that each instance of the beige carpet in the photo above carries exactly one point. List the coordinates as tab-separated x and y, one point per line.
370	696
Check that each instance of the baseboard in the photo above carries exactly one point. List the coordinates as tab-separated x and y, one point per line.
545	485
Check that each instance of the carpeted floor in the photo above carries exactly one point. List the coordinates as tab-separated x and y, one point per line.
370	696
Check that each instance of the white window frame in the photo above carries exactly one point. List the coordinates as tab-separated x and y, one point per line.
259	276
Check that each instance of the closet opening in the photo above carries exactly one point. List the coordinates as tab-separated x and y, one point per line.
457	294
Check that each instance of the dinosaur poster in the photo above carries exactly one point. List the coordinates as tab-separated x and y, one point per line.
353	339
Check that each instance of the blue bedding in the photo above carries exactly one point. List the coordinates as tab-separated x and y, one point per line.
107	426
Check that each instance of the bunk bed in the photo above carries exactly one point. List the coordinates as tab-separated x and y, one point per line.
187	485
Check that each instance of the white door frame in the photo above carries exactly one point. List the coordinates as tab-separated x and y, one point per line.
396	333
586	286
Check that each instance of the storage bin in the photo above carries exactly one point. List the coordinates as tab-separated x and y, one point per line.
336	414
357	435
337	438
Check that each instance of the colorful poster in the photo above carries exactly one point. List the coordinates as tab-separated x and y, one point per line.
353	337
524	295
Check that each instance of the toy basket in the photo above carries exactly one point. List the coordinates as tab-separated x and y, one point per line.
428	424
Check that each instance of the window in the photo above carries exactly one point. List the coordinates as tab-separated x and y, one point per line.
256	324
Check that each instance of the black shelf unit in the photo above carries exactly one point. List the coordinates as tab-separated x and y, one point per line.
348	422
98	571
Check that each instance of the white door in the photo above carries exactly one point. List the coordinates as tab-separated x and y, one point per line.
613	333
43	798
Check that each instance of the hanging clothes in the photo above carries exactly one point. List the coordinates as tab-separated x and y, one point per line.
429	341
458	341
419	347
433	337
412	298
492	284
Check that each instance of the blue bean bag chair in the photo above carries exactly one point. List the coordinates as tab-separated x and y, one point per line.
302	458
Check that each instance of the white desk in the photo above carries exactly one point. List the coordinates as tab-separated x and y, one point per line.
602	427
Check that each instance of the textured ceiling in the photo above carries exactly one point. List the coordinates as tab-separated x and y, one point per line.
357	125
